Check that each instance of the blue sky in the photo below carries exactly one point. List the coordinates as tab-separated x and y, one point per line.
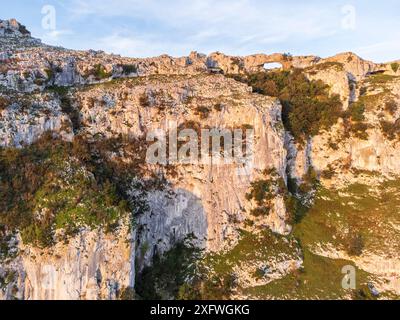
141	28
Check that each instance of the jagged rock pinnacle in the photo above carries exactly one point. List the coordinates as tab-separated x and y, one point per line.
12	28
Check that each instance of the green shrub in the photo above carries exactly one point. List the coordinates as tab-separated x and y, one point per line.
127	294
395	66
263	191
259	274
355	117
23	30
354	244
218	107
359	130
308	107
287	56
330	64
391	130
128	69
144	100
356	111
391	107
328	173
189	292
70	186
203	112
49	74
206	287
168	273
99	72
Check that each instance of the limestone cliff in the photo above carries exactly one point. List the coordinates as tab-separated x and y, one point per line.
97	97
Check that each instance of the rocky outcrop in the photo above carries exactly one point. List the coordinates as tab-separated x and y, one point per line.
205	201
335	149
12	28
23	124
29	65
90	266
205	198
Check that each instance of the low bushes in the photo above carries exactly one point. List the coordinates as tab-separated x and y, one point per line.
128	69
391	130
54	184
308	107
99	72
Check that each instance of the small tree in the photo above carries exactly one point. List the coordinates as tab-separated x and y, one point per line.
4	103
355	244
391	107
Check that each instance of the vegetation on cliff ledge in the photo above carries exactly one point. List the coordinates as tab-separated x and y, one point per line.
307	105
57	185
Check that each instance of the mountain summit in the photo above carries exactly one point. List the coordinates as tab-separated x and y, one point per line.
12	28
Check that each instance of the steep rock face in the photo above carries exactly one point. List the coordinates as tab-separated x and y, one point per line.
375	153
90	266
206	198
207	201
23	122
12	28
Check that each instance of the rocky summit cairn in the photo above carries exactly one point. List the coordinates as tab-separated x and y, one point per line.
12	28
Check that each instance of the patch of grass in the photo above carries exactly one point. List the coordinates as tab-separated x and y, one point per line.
368	215
380	79
327	65
357	208
320	278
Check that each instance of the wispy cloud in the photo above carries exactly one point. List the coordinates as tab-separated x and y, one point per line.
208	25
152	27
384	50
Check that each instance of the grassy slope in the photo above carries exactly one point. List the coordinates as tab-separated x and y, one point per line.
358	208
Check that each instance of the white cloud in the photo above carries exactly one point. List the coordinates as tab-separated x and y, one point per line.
200	20
233	26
